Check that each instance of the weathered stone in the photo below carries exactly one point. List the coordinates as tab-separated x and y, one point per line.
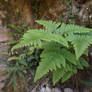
34	90
85	14
87	90
0	22
51	8
2	14
45	89
4	35
56	90
3	48
2	68
68	90
2	84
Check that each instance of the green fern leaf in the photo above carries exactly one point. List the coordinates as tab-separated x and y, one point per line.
79	65
69	56
83	62
80	43
64	28
66	76
49	25
35	38
58	74
71	28
49	62
52	45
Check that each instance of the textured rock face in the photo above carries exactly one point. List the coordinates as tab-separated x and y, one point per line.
85	14
4	38
51	8
2	68
68	90
3	48
4	35
87	89
46	88
55	90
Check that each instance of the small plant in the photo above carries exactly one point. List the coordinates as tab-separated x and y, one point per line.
63	46
86	83
15	69
17	66
19	61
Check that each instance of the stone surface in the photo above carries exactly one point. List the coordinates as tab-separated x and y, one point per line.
2	84
34	90
87	90
45	89
3	48
4	35
0	22
85	14
68	90
2	14
56	90
2	68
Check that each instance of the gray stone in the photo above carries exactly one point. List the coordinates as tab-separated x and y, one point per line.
2	84
68	90
56	90
86	90
34	90
2	68
4	35
47	89
3	48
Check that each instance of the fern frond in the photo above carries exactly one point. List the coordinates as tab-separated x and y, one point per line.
50	60
58	74
52	45
71	28
83	62
69	56
79	65
50	26
80	43
62	73
64	28
35	38
66	76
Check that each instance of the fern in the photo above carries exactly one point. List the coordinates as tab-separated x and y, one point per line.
52	60
58	74
66	76
80	43
62	44
64	28
35	38
70	29
49	25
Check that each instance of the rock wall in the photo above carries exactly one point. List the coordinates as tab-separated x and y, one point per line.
4	38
